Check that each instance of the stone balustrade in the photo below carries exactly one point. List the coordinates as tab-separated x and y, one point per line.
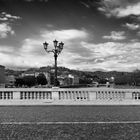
91	95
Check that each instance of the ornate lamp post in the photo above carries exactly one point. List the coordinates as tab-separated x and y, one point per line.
56	51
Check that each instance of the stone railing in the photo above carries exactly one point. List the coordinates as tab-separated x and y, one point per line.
68	94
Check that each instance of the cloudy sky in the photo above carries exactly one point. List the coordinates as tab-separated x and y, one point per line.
97	34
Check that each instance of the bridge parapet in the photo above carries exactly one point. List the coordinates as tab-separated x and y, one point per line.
69	94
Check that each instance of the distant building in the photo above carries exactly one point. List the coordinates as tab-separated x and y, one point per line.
2	76
28	73
68	79
61	80
75	80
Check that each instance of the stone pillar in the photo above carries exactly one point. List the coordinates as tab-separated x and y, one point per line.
16	95
92	95
128	95
55	93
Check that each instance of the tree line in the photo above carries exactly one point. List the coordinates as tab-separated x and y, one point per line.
85	77
30	81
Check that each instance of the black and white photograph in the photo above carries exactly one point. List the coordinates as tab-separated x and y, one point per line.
69	70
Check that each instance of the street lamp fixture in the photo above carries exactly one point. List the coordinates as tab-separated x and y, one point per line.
56	51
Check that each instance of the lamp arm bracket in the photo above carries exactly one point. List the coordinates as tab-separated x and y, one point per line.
53	50
58	53
50	51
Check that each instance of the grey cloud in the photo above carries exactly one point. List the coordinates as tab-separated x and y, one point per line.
85	4
80	51
6	16
79	61
5	29
122	55
138	33
76	48
119	35
132	26
119	8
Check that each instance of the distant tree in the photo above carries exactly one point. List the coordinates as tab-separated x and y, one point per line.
84	80
29	81
41	79
19	82
96	78
123	80
103	81
136	77
58	83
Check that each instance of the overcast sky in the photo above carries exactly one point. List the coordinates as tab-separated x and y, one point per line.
97	34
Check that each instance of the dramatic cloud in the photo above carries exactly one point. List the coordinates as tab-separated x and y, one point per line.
5	29
78	53
107	56
104	49
65	34
132	26
5	16
129	10
97	34
120	8
116	35
113	56
34	55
